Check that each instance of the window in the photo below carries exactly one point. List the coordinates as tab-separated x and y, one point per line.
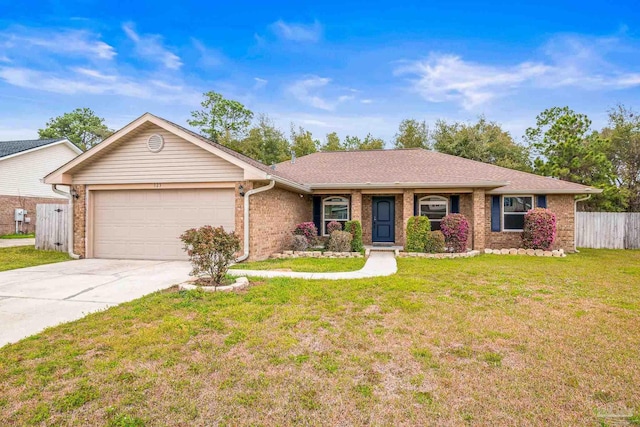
334	209
513	210
435	208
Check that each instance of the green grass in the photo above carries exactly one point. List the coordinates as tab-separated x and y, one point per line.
311	265
27	256
18	236
484	341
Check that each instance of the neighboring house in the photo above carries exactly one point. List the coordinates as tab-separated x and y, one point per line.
23	164
138	190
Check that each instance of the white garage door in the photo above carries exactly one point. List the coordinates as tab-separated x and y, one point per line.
146	224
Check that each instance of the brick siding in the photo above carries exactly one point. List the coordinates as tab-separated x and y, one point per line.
8	205
80	221
561	205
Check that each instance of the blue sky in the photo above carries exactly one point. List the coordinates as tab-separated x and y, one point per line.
349	67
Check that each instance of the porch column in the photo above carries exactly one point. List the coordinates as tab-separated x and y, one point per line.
478	219
356	205
407	212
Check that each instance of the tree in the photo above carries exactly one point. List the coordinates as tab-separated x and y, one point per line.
566	148
482	141
264	143
352	143
81	126
221	120
302	142
624	152
333	143
412	134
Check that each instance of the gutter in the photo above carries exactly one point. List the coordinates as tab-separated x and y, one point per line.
70	197
249	193
575	224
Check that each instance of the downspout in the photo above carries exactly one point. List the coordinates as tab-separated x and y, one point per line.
575	223
249	193
70	197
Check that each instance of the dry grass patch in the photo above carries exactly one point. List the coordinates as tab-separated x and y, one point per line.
482	341
310	265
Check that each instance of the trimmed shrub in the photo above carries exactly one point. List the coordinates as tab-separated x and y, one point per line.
435	242
340	241
539	229
355	228
455	229
308	230
211	250
333	226
418	228
298	243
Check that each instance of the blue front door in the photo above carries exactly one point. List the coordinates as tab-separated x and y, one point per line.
383	215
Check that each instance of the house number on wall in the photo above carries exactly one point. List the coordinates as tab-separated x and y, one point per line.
157	185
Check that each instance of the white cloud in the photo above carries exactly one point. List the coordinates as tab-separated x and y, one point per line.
366	101
310	91
151	47
64	42
209	58
259	83
91	82
297	32
569	61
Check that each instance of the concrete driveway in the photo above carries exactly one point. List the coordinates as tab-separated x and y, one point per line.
34	298
10	243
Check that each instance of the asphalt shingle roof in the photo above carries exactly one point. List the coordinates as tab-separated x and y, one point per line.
8	148
412	166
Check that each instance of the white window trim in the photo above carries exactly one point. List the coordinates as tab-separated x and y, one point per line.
422	202
502	213
342	202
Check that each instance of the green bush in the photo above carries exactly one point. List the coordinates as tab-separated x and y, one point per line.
340	241
355	228
435	242
211	250
418	229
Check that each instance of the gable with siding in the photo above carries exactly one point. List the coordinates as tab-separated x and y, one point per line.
130	161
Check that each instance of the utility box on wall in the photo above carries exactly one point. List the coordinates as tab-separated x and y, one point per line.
20	214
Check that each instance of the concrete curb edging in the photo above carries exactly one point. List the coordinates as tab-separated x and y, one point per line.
240	283
469	254
529	252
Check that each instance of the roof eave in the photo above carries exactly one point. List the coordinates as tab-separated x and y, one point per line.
586	190
71	145
368	185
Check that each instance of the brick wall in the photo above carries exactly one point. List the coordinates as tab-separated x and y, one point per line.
562	205
80	221
273	215
8	205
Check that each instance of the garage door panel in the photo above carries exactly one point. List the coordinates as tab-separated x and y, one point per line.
146	224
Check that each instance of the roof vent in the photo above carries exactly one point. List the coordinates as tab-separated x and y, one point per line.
155	143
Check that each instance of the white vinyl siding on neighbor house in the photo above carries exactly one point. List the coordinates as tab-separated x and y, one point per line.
20	175
130	161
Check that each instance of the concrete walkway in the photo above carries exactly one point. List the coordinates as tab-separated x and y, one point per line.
10	243
378	264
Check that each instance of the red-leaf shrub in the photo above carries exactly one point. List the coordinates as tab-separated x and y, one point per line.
333	226
455	228
211	250
308	230
539	229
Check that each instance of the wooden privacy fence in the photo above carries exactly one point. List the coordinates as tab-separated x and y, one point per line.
608	230
52	222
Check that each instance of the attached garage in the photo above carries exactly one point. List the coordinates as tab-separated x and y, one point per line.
146	224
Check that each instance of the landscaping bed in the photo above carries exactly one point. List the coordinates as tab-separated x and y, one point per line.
494	340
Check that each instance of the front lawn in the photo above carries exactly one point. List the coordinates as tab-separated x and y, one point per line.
491	340
28	256
18	236
311	265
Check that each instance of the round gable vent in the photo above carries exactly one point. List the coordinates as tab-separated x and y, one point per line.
155	143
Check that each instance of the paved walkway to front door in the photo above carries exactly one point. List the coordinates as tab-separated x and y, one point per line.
378	264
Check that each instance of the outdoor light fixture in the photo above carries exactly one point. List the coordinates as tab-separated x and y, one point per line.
241	190
74	194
